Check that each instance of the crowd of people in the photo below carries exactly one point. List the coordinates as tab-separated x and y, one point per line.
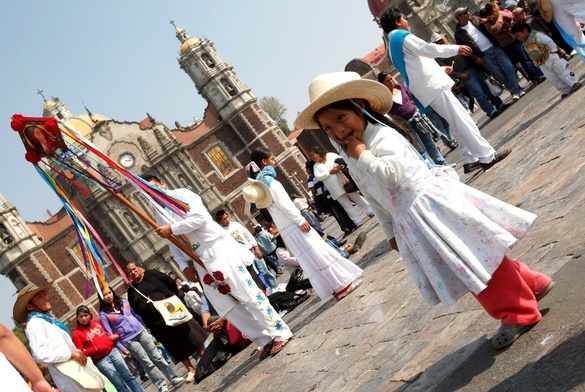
453	239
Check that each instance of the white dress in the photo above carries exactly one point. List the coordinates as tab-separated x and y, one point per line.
246	307
451	237
323	266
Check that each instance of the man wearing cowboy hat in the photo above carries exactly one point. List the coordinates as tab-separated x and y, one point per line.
49	338
226	283
431	86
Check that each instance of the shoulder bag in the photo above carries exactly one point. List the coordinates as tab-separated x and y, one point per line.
173	311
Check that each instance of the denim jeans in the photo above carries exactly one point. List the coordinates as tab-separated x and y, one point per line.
518	55
143	349
427	146
436	121
114	368
498	64
272	261
477	87
269	279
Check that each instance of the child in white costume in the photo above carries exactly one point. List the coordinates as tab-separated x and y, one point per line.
329	273
453	238
543	51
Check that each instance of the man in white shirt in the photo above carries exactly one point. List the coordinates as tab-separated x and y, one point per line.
430	85
469	32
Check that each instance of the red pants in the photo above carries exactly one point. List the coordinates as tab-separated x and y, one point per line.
510	294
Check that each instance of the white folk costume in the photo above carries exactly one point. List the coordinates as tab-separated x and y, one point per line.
328	272
51	344
429	83
568	14
245	306
451	237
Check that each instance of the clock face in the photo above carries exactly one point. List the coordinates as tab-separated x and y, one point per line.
127	160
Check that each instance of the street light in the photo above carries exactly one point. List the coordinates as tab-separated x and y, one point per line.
294	177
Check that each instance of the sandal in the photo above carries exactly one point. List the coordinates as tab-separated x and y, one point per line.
265	351
508	333
278	346
544	292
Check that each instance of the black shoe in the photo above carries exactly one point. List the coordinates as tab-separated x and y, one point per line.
469	167
359	241
494	114
342	242
453	145
498	156
144	378
541	79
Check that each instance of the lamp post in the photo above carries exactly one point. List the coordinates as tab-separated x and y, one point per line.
294	177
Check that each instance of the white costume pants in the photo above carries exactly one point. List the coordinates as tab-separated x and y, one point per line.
472	145
568	13
557	71
345	201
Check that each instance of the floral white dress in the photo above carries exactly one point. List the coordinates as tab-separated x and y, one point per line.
451	237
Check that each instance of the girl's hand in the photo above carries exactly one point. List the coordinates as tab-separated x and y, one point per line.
126	351
305	227
355	147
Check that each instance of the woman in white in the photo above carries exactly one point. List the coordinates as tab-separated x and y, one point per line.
327	170
329	273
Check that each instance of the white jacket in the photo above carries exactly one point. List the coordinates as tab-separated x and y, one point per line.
331	181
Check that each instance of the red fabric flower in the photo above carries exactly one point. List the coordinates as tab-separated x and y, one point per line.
224	288
218	275
208	279
32	157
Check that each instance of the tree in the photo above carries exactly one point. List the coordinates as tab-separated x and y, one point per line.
276	111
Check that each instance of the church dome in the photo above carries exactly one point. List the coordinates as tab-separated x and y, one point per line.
189	43
83	123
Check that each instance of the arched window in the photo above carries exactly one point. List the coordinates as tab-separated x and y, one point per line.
220	159
208	60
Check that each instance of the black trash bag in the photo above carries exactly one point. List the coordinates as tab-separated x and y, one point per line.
284	300
298	281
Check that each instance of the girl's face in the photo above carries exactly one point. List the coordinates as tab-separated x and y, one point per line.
108	295
83	318
340	124
270	161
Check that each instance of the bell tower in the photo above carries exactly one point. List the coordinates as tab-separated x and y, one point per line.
214	78
16	238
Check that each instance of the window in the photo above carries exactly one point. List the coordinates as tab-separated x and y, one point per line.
222	162
74	251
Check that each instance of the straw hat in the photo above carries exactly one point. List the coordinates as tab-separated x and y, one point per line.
437	36
258	193
338	86
24	297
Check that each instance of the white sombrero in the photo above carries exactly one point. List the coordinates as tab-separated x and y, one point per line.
25	295
258	193
338	86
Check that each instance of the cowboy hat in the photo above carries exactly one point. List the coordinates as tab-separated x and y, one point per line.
25	295
338	86
258	193
437	36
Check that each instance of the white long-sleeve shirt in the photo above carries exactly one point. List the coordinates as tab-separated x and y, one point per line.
331	181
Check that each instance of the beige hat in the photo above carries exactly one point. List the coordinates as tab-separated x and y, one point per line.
258	193
24	297
338	86
437	36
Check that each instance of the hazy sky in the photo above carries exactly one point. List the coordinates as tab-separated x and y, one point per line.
120	58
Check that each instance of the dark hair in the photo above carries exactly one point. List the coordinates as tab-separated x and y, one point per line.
389	19
116	303
310	165
318	149
520	26
348	105
219	214
279	242
151	177
258	229
257	156
489	8
83	309
383	75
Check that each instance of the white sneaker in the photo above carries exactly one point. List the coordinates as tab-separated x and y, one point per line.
164	389
190	377
523	93
177	380
515	97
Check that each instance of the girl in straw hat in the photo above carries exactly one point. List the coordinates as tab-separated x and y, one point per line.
452	238
329	273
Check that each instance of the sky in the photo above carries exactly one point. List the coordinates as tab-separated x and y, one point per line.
120	59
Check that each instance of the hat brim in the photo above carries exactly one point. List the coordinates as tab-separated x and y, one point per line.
378	96
268	196
19	310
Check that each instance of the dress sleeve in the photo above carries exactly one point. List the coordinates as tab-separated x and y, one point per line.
197	216
283	203
421	48
386	166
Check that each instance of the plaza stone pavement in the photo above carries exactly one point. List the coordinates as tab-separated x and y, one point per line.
383	337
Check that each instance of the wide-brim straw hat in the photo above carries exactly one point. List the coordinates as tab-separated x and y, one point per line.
24	297
258	193
338	86
436	36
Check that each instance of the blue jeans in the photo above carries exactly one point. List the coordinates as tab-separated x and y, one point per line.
477	87
272	261
427	146
143	349
269	279
498	64
517	54
114	368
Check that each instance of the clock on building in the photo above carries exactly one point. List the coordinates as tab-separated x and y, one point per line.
127	160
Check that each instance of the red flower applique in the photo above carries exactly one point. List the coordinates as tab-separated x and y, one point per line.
217	281
224	288
208	279
218	275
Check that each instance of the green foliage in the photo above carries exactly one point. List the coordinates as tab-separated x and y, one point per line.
276	110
